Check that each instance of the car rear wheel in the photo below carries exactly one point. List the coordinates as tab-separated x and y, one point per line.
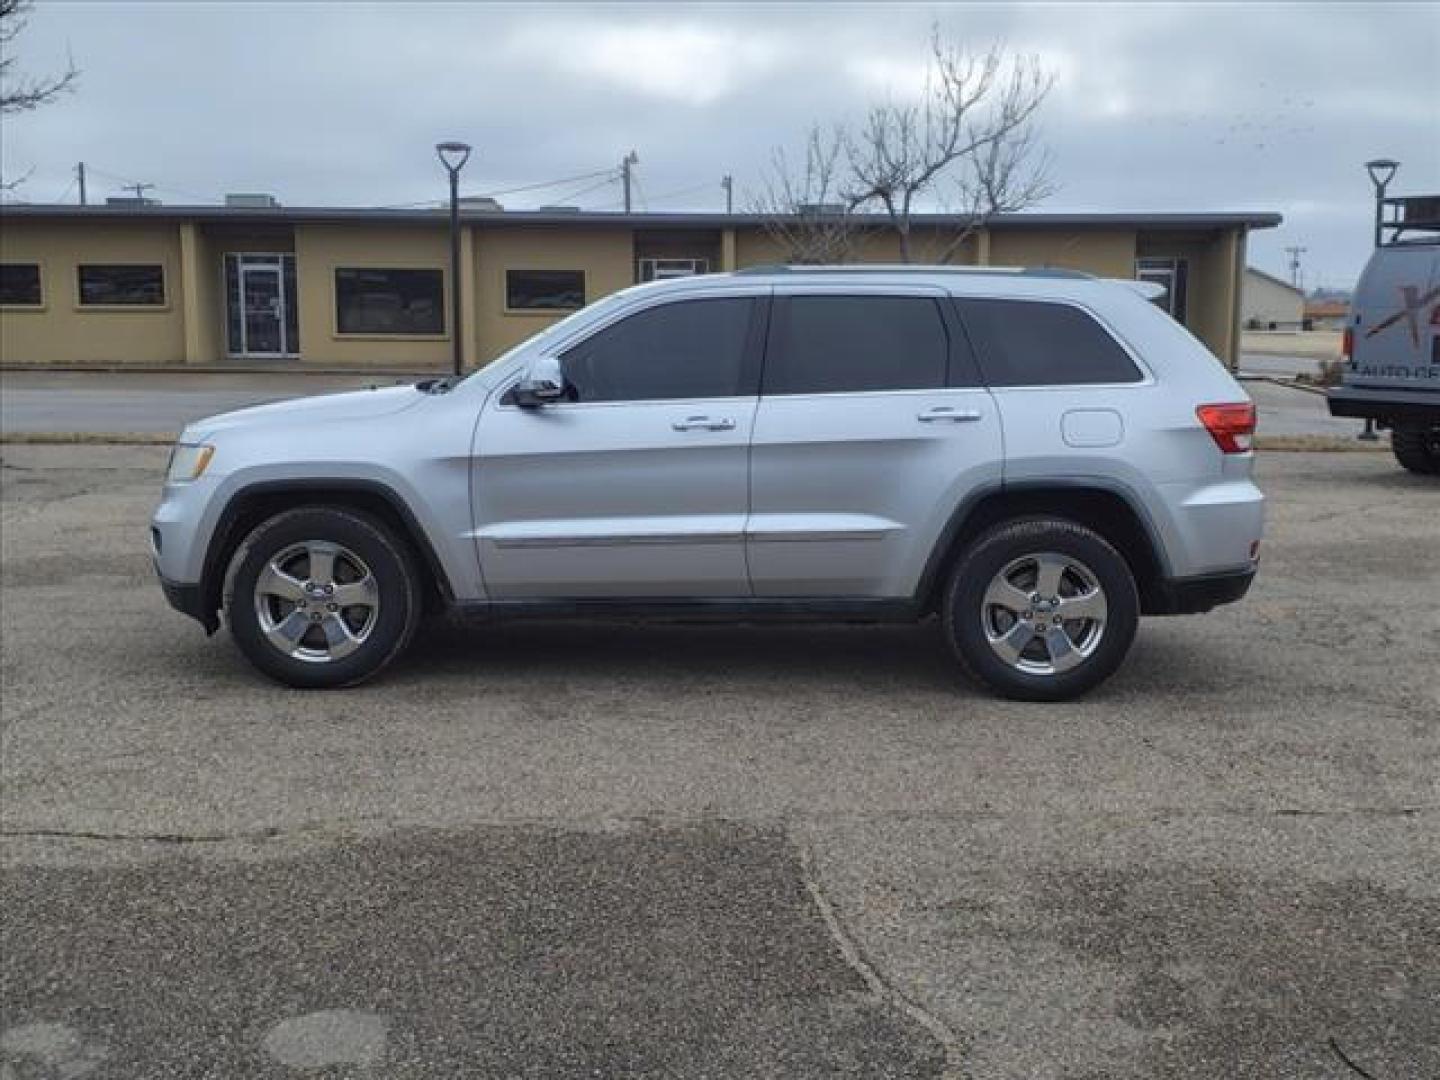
1041	609
1417	447
322	597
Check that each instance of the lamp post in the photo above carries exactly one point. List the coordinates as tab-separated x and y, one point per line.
454	155
1382	171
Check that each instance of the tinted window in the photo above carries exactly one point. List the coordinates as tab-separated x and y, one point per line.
544	290
129	285
372	300
20	284
835	344
690	349
1032	343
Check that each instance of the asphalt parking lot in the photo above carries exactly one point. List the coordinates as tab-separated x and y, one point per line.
654	851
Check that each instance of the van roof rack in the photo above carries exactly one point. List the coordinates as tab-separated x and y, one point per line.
1409	213
910	268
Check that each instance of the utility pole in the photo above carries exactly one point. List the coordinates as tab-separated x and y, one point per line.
139	189
629	161
728	183
80	176
1295	253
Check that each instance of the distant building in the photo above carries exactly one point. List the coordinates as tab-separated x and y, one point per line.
253	281
1326	314
1268	303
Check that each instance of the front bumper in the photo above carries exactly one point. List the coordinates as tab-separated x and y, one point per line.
1192	595
1385	405
189	600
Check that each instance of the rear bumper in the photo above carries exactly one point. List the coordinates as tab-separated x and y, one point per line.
1192	595
1386	405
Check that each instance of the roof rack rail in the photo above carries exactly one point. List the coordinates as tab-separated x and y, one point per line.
910	268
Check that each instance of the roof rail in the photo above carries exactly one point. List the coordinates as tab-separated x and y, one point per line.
911	268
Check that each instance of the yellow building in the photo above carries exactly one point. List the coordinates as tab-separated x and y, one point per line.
151	285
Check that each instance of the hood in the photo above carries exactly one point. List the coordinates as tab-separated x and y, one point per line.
350	405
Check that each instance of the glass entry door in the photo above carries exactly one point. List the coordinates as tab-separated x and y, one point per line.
260	292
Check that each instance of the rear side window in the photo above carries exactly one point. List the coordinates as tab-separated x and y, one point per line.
1034	343
689	349
848	344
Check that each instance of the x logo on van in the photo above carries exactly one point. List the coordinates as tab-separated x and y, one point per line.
1414	303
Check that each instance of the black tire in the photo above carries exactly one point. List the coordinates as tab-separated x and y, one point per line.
1417	447
389	562
1001	546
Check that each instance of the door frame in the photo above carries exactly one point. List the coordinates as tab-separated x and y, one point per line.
289	350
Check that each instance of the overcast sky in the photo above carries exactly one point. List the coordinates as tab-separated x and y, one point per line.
1156	107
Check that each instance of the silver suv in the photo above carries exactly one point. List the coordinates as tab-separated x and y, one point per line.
1038	457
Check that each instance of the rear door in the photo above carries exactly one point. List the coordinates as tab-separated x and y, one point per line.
638	485
872	428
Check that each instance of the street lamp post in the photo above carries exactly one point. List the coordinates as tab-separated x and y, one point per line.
1382	171
454	155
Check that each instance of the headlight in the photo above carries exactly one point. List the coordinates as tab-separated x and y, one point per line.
188	461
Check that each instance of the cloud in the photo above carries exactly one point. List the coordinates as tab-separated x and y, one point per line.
1173	106
687	63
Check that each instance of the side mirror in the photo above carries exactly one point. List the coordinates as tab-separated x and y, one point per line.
542	383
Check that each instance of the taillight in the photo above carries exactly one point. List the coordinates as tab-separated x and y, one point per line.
1347	343
1231	426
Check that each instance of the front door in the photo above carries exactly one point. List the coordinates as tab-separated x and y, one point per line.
264	310
638	485
261	300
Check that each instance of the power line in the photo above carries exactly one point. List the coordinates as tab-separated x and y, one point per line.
609	174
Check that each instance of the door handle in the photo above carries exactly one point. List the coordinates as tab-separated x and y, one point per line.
945	412
704	423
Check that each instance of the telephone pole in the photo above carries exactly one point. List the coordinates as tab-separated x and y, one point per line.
80	176
728	183
629	161
139	189
1295	253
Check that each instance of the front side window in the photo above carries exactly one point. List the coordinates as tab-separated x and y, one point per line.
128	285
20	284
544	290
850	344
372	300
1035	343
688	349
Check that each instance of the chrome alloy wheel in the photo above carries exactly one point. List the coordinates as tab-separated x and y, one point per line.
1044	614
317	601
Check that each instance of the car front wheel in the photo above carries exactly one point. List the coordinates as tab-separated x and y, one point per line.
321	597
1041	609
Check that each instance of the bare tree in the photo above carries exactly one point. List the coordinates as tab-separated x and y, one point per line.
20	93
971	135
803	207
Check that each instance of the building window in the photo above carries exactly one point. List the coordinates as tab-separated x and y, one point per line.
370	300
544	290
1173	275
20	285
664	269
116	285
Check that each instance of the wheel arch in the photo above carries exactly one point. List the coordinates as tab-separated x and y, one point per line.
261	500
1110	510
